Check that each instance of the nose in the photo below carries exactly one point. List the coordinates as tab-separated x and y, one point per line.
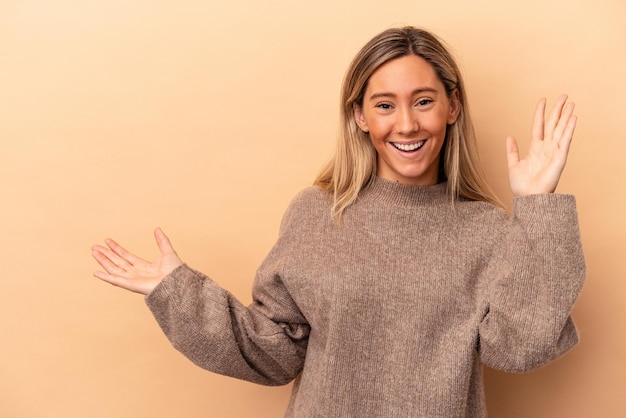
406	121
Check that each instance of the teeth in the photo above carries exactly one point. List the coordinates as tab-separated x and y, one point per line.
408	147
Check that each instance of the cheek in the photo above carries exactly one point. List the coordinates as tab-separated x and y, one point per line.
439	124
379	129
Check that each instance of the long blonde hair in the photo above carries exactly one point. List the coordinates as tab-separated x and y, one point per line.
354	164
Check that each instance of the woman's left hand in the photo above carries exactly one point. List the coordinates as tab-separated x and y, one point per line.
541	170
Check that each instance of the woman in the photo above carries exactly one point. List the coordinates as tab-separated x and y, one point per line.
397	275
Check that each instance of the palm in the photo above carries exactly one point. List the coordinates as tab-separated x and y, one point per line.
132	273
540	170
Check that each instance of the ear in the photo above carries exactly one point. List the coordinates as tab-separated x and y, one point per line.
455	107
359	118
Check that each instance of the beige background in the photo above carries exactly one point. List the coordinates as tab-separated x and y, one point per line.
205	118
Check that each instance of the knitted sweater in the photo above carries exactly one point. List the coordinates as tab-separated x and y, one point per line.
391	312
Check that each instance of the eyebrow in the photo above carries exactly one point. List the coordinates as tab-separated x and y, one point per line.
413	93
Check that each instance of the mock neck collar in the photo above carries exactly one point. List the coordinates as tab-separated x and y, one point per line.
396	194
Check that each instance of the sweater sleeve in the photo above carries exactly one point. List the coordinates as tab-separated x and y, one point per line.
541	268
263	343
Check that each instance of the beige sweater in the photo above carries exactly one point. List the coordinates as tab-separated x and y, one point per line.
391	313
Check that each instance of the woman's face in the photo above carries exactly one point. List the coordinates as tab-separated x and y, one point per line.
406	112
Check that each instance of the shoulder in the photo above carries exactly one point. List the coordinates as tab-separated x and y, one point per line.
473	209
311	198
481	219
311	194
309	205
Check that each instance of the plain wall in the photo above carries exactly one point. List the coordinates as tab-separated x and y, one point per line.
205	118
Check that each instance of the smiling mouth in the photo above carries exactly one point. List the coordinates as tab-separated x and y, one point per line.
409	147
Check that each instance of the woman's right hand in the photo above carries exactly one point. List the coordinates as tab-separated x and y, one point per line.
132	273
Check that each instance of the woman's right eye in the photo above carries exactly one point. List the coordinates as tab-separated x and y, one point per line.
384	106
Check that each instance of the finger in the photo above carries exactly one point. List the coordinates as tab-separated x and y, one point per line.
163	242
116	281
512	152
566	115
112	255
568	135
538	121
125	257
109	278
103	257
555	116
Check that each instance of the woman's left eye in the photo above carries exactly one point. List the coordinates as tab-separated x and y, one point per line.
424	102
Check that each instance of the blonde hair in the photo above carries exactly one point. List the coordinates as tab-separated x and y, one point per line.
354	164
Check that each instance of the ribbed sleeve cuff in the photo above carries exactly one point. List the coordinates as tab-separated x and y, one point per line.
539	210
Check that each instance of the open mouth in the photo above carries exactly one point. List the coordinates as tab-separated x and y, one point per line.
409	147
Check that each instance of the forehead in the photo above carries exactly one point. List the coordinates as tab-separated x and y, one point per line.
408	73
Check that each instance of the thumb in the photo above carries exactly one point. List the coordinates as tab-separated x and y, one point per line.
163	242
512	152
